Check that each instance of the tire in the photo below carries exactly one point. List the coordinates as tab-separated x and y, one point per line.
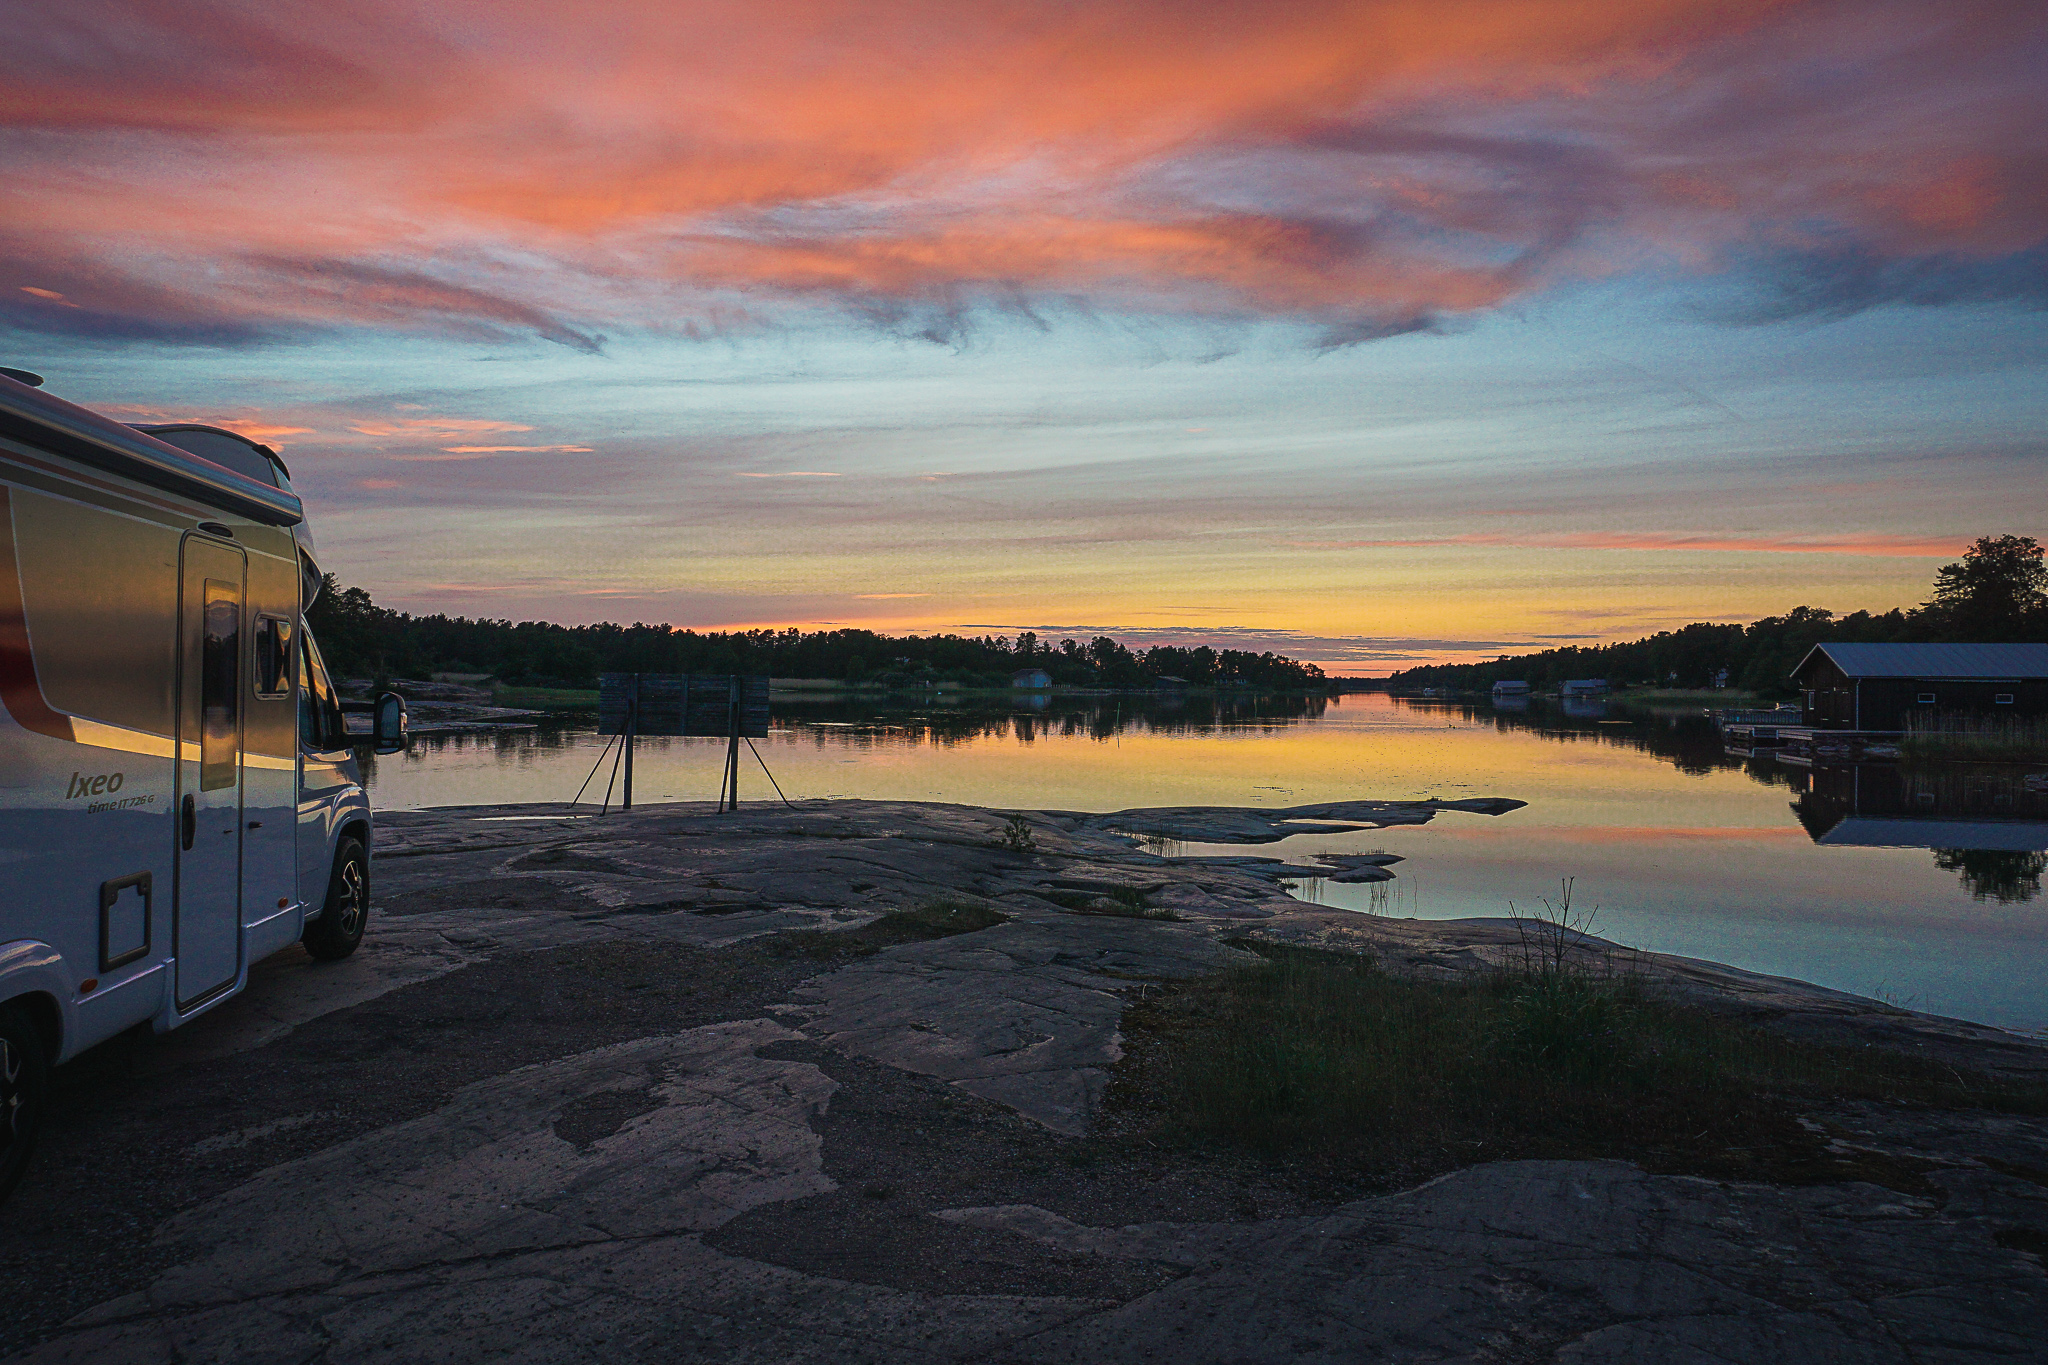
340	927
24	1091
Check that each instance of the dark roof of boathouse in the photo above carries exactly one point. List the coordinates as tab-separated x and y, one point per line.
1933	661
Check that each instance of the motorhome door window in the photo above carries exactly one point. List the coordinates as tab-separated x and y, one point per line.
220	692
320	722
273	656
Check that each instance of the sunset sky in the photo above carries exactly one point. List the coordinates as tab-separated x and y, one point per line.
1372	333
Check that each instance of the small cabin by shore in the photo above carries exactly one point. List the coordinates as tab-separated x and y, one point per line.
1507	688
1583	687
1878	687
1031	680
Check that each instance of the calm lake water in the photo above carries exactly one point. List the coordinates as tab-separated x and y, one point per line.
1922	887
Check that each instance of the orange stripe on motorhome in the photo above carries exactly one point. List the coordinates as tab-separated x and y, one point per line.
20	689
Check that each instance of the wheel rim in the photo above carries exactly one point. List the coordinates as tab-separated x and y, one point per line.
349	901
11	1097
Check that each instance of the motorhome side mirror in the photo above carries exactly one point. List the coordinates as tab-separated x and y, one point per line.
389	730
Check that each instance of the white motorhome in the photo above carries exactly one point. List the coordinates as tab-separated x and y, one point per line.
179	795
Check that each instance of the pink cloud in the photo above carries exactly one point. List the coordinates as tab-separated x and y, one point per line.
1370	166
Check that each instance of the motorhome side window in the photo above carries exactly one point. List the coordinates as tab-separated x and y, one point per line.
320	724
273	656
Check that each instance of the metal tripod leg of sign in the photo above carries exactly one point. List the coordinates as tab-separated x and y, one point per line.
729	787
632	730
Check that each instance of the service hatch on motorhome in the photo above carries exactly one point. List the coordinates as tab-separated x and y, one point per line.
179	794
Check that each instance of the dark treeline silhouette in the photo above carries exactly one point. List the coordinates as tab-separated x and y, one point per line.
1997	593
359	638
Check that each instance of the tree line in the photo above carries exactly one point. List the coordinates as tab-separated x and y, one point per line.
1996	594
361	639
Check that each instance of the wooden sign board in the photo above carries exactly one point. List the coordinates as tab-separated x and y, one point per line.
702	705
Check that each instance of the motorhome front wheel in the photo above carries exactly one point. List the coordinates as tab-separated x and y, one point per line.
340	926
24	1081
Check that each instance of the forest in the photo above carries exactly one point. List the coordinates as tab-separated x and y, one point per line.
1997	593
358	638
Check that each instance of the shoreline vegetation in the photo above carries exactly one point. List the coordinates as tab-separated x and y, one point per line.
1997	592
570	699
1990	739
1335	1060
360	638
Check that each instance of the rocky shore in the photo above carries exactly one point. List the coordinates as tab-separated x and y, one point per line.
566	1103
443	708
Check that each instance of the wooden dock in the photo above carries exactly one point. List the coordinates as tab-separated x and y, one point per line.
1805	745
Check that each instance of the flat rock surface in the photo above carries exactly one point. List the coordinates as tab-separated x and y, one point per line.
570	1100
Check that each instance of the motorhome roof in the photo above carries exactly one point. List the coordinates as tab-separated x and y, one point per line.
40	419
206	442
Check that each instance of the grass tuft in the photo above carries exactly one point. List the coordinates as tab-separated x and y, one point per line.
938	918
1017	835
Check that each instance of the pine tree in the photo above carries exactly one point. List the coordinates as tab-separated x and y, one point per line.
1997	593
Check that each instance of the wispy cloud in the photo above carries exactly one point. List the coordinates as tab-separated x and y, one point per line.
516	450
1915	547
426	427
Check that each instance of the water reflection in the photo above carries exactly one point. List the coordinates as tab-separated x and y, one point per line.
1987	823
1993	874
1031	716
1687	738
1693	850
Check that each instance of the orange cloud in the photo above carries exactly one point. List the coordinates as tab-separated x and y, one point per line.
1372	166
1927	547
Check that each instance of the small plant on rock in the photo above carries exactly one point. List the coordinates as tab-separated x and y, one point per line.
1547	938
1017	836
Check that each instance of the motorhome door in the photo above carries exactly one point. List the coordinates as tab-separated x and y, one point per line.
208	899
